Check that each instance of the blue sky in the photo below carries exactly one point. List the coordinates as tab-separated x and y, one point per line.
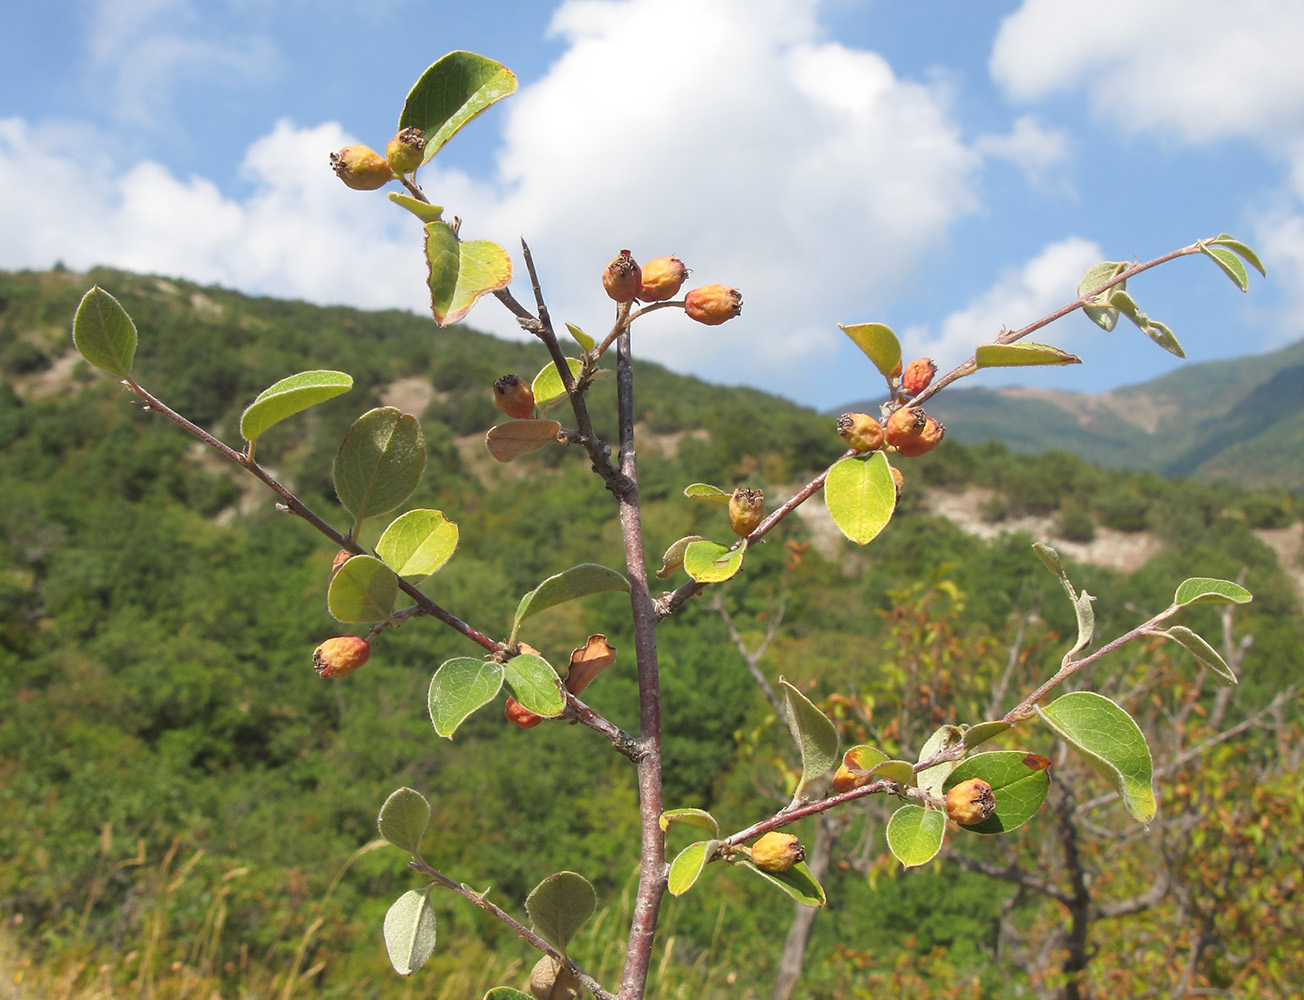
946	168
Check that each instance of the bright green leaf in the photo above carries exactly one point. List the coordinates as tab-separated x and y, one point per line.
1229	264
816	737
422	210
450	93
797	882
1015	355
1111	742
861	496
418	543
705	491
362	590
380	462
103	333
410	931
535	684
520	437
1207	656
290	396
711	562
403	819
674	556
559	907
1103	315
1237	246
578	581
460	272
914	834
931	779
581	338
460	687
547	385
878	342
688	865
699	818
1206	590
1019	780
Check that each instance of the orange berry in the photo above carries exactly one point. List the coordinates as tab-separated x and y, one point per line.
514	397
623	278
361	168
713	304
970	802
919	373
925	441
861	431
518	715
340	656
904	425
662	279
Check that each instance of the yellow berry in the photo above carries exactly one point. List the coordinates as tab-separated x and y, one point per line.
662	279
777	852
746	511
861	431
361	168
406	151
970	802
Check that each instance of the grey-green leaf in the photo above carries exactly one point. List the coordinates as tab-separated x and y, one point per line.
450	93
559	906
403	819
362	590
931	779
1229	264
688	865
103	333
418	543
1208	657
1207	590
1097	308
914	834
1050	558
815	735
290	396
578	581
1111	742
1236	245
380	462
1086	621
460	687
535	684
797	882
410	931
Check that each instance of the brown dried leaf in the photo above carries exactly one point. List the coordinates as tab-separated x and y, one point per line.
519	437
588	661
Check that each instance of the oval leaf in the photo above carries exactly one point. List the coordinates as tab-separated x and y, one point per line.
103	333
931	779
1208	657
914	834
450	93
559	906
462	686
878	342
1162	336
861	496
460	272
547	385
520	437
362	590
578	581
288	397
535	684
1050	559
410	931
1237	246
1019	780
380	462
506	993
418	543
423	210
797	882
1111	742
1099	313
581	338
983	732
403	819
674	556
1015	355
816	737
688	865
1229	264
900	771
705	491
711	562
1205	590
699	818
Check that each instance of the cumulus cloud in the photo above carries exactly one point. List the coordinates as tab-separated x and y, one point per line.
1029	145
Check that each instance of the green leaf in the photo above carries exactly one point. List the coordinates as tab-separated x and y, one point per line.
914	834
535	684
688	865
506	993
559	906
1237	246
422	210
1016	355
983	731
699	818
815	735
858	761
547	384
878	342
900	771
1019	780
578	581
520	437
1163	336
1229	264
460	272
380	462
1103	315
1206	590
450	93
362	590
410	931
418	543
1111	742
705	491
1050	559
797	882
460	687
711	562
103	333
1086	621
861	496
581	338
674	556
931	779
1208	657
403	819
288	397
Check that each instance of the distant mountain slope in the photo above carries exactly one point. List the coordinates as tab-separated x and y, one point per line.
1240	420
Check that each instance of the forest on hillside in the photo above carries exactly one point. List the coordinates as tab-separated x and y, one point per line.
189	810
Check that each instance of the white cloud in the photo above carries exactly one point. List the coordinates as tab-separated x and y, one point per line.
1033	148
1020	296
1199	69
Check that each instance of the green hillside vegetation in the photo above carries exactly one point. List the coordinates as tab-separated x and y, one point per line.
179	790
1238	421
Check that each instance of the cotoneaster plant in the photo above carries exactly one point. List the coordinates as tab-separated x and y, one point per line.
381	460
